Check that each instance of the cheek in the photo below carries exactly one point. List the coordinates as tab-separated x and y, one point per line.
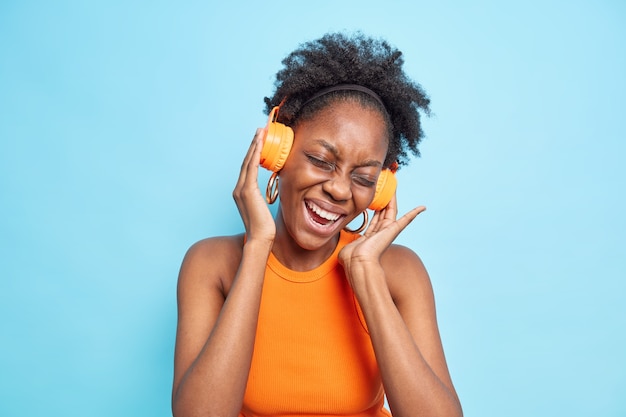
362	196
299	173
292	180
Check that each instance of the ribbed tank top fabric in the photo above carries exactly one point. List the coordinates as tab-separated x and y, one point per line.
312	353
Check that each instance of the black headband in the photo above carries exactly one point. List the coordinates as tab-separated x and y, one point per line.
346	87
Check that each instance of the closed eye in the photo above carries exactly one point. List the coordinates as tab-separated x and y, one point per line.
364	181
320	163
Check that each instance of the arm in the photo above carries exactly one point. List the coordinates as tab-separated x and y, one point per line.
395	295
216	320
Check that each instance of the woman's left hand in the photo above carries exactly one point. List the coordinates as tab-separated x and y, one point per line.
395	295
380	233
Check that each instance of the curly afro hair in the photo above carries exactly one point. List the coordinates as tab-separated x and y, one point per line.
341	59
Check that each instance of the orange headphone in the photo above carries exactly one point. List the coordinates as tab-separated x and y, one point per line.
278	142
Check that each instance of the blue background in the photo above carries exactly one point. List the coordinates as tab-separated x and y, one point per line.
123	125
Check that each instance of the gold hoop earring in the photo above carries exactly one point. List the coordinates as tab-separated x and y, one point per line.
271	193
366	218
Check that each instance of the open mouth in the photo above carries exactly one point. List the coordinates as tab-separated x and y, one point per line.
321	216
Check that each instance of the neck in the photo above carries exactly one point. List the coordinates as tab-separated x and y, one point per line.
298	256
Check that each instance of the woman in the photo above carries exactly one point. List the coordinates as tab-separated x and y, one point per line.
299	315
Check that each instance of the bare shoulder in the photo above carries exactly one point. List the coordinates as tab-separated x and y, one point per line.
407	277
212	261
205	277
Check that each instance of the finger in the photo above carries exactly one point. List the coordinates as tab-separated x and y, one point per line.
246	160
254	148
373	226
405	220
391	231
253	155
387	214
391	211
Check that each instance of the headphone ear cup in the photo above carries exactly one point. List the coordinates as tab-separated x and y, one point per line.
277	144
385	190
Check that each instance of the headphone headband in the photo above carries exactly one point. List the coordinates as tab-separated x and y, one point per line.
346	87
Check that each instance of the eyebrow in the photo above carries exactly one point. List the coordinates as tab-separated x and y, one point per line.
332	149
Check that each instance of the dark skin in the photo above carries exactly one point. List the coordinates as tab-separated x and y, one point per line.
336	157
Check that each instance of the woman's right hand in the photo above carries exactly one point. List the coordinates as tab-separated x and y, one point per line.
251	204
219	296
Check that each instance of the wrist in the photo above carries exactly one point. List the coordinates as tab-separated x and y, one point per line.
364	267
366	277
258	245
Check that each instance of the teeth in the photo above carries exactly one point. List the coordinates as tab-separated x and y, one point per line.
322	213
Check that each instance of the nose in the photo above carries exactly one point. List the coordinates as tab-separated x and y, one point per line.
338	187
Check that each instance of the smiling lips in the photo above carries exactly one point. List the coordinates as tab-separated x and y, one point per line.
320	215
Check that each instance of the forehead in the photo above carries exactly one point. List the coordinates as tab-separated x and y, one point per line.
347	125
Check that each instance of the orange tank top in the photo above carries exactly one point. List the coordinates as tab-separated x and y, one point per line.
312	353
